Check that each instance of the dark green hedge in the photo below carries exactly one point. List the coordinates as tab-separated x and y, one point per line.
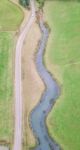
24	2
41	2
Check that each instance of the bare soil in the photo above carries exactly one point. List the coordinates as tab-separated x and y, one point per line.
32	84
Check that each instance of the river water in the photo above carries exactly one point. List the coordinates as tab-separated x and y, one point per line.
52	91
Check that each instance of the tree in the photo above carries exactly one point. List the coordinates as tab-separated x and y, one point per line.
24	2
41	2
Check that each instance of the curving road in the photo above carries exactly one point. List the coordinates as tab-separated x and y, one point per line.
17	145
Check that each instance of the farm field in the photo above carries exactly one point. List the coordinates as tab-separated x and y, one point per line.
10	19
63	60
10	15
6	123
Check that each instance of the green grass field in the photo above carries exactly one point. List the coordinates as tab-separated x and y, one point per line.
6	107
63	51
10	19
10	15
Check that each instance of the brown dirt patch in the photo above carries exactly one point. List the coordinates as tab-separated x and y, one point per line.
32	84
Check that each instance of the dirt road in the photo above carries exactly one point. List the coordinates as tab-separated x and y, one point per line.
17	145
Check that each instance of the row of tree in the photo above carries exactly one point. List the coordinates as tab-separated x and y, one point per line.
41	2
26	2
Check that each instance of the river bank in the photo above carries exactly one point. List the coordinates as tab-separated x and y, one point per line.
32	84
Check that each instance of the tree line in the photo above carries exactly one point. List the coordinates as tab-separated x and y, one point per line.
25	3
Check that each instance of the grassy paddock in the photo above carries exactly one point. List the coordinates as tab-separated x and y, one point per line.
10	18
63	51
10	15
6	117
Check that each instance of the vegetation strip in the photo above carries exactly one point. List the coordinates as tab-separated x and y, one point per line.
40	112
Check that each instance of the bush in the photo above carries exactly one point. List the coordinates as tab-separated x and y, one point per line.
24	2
41	3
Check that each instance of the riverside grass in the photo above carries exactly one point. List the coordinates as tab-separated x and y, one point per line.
10	15
63	51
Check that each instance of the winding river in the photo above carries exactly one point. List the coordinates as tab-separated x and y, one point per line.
52	91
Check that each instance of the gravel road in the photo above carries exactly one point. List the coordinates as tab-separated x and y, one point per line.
18	85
